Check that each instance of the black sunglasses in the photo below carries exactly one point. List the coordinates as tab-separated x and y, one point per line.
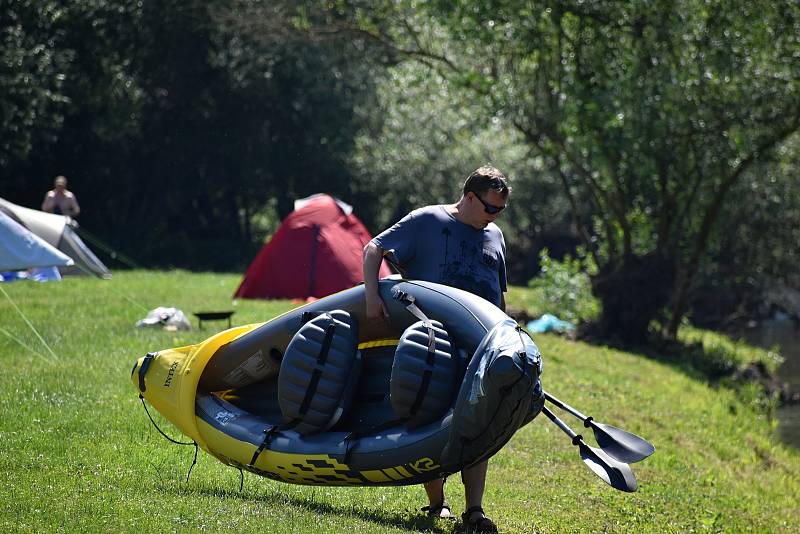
488	208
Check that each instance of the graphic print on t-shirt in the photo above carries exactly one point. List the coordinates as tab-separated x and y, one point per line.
459	266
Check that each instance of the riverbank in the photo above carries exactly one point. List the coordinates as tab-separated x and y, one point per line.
781	333
80	454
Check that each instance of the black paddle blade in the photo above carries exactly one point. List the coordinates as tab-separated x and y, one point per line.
616	474
620	444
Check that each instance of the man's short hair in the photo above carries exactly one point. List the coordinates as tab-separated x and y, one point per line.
60	179
487	178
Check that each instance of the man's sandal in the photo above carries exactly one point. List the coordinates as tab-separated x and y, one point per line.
480	525
435	511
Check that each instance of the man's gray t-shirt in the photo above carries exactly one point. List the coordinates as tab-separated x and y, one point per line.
431	244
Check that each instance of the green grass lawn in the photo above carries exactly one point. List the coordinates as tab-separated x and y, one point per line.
78	453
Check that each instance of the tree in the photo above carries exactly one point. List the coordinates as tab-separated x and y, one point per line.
173	118
32	66
651	113
750	260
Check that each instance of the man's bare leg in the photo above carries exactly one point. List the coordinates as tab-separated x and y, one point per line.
474	480
435	491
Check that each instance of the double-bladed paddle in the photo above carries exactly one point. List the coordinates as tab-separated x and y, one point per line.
619	444
616	474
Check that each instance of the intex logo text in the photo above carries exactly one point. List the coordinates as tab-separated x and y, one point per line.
170	374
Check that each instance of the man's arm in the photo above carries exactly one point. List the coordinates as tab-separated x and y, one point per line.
47	203
373	256
75	210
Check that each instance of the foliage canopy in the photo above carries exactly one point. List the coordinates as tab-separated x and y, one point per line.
649	113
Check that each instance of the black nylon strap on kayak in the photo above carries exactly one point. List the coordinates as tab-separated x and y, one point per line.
430	359
148	359
523	356
308	315
317	374
352	438
421	392
269	433
310	390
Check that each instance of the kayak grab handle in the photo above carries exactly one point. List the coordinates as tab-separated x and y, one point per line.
148	359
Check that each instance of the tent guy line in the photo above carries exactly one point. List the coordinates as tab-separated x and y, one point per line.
105	247
26	346
25	318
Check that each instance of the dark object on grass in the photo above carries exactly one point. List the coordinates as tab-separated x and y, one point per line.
213	316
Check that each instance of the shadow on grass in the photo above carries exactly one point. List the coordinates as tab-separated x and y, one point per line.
716	364
409	521
691	358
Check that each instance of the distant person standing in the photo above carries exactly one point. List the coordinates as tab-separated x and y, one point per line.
60	200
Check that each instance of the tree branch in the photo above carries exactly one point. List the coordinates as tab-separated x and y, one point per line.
536	139
686	277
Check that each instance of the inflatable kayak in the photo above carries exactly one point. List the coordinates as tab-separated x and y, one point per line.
323	396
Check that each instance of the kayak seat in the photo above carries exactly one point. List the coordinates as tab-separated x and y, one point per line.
319	371
425	374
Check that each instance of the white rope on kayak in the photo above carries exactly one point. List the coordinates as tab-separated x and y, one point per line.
55	357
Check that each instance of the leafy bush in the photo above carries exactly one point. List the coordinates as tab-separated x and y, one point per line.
566	288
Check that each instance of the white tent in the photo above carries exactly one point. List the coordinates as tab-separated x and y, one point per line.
59	232
21	249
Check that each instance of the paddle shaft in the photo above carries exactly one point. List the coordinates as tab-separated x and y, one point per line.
560	424
566	407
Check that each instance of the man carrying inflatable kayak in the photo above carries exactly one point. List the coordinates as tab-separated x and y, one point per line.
460	246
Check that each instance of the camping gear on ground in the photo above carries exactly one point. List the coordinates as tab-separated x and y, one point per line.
45	274
20	249
323	396
547	323
13	276
213	316
167	318
59	232
316	251
37	274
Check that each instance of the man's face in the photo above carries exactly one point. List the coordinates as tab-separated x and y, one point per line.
480	206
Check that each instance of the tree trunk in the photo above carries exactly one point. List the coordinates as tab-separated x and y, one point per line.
633	292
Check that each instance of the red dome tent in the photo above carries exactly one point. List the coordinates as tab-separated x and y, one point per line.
315	252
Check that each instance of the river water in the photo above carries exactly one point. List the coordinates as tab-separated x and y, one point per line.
785	334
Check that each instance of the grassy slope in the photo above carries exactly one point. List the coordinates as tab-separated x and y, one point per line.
78	453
